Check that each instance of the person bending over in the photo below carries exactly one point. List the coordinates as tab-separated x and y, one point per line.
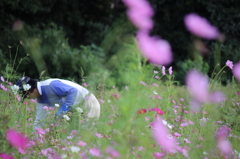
53	92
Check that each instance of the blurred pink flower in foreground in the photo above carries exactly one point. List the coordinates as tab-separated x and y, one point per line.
140	13
222	142
198	85
5	156
162	136
16	139
229	64
156	50
199	26
236	71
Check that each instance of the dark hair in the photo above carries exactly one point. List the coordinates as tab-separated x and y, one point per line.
33	84
26	80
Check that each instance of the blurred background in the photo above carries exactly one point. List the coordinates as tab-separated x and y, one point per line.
75	39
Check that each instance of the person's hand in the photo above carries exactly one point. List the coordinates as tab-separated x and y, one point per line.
63	109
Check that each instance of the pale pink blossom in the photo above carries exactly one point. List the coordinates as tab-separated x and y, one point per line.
223	143
155	72
95	152
40	131
99	135
16	139
156	50
197	85
236	71
163	70
170	70
199	26
161	136
229	64
184	124
2	79
112	152
158	155
140	13
82	143
45	108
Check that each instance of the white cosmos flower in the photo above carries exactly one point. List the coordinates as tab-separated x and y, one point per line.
56	105
79	110
66	117
166	123
75	149
64	156
26	87
155	92
15	89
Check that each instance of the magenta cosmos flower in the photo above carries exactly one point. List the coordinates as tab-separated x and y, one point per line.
199	26
16	139
5	156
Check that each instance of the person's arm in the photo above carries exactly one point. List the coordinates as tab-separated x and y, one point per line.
40	115
64	90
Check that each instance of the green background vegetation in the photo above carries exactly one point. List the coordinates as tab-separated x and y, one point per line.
77	38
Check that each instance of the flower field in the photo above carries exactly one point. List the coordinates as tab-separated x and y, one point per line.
154	119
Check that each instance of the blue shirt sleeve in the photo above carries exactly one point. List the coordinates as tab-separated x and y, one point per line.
64	90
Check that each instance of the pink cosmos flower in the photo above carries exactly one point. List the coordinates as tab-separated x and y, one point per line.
140	13
143	83
16	139
159	111
222	142
236	71
183	124
155	72
95	152
170	70
163	70
199	26
2	79
157	51
40	131
161	136
112	152
197	85
82	143
158	155
5	156
177	134
99	135
116	95
229	64
45	108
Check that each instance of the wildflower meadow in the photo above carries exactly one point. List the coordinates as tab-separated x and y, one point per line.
152	116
